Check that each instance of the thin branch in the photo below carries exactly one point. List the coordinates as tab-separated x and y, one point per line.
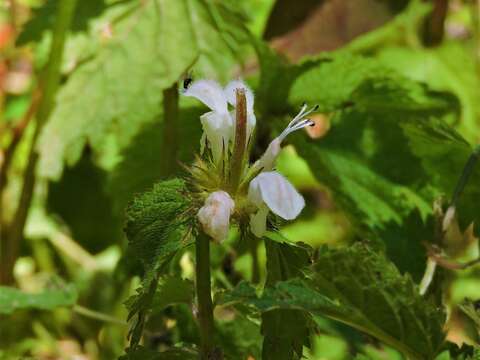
447	263
92	314
170	134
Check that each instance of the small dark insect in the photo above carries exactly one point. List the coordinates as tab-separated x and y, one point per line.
187	81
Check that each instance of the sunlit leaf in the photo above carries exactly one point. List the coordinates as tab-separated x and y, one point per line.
149	51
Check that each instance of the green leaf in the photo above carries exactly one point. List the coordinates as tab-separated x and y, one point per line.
91	219
172	290
469	308
465	352
239	338
285	331
360	288
156	228
389	152
125	89
43	18
372	156
155	223
448	67
142	353
143	156
12	299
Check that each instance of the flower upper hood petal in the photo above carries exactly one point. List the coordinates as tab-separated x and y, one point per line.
210	93
230	94
219	130
277	193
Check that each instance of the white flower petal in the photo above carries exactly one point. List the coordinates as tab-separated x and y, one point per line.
210	93
215	215
251	122
230	93
218	129
267	161
258	221
277	193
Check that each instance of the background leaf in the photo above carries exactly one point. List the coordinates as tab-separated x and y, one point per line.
125	89
12	299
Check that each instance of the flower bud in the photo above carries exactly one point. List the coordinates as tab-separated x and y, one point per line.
215	215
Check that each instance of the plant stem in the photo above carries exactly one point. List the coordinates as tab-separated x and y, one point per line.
435	23
238	156
204	296
253	242
49	84
170	138
463	180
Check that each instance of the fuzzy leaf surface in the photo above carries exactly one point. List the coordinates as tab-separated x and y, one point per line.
156	228
360	288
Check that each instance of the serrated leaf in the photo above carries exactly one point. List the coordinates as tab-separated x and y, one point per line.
371	157
150	50
389	152
360	288
155	223
448	67
470	309
285	331
156	228
12	299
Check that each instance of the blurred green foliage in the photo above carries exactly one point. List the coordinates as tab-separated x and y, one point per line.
398	120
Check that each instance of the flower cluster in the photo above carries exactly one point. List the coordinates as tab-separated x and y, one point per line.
230	187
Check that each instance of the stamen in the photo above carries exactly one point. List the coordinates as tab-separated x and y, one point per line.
298	122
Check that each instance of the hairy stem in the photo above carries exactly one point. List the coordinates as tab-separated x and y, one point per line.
238	156
204	295
49	84
170	138
253	242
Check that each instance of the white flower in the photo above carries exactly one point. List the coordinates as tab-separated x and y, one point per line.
271	190
267	161
215	215
230	93
218	124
